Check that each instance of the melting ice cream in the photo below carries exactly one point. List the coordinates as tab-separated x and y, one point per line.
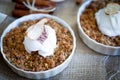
40	37
108	19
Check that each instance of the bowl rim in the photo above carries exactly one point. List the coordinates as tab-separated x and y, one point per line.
80	10
57	19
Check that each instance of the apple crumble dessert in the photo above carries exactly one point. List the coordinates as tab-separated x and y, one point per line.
18	55
92	26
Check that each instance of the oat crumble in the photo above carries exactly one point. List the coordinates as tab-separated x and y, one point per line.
17	55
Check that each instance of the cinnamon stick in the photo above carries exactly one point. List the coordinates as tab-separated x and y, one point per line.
37	2
21	6
79	1
20	13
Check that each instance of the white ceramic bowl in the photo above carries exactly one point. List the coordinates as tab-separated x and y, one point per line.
98	47
41	74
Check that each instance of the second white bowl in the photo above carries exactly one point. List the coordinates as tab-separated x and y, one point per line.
98	47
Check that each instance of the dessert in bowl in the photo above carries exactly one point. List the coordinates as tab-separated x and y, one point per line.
99	26
38	46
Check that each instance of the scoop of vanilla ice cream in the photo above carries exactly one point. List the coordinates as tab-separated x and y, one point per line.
41	38
109	24
36	30
49	44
